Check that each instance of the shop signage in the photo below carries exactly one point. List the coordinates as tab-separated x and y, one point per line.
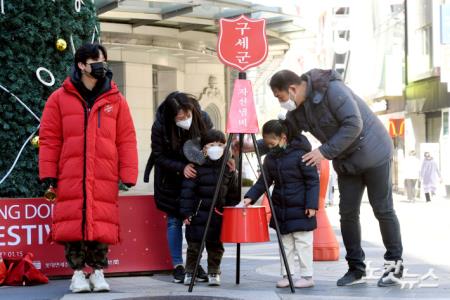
397	127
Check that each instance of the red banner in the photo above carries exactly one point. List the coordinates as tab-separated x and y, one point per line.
26	223
242	42
242	115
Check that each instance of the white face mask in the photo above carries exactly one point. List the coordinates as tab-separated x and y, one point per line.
185	124
282	115
215	152
289	105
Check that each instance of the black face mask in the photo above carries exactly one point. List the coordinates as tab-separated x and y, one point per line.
277	149
99	69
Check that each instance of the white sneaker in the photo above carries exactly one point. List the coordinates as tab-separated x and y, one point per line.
283	283
187	278
304	283
98	282
79	283
213	279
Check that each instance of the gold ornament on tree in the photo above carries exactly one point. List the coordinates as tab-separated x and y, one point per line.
61	45
50	194
35	141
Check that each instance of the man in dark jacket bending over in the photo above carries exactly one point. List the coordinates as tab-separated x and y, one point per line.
361	149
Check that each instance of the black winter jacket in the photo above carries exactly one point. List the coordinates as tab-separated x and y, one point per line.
296	187
351	134
197	196
169	164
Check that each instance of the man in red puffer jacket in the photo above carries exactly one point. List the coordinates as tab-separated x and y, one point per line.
87	144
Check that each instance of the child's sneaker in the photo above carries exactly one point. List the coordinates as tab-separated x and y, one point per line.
201	275
304	283
283	283
187	278
98	282
79	283
213	279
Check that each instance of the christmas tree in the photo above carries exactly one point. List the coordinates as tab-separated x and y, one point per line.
37	41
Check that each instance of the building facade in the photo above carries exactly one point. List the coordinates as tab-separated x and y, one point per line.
157	47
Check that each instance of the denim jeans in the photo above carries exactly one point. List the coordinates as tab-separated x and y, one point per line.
175	239
378	181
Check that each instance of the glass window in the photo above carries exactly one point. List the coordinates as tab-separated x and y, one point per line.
445	123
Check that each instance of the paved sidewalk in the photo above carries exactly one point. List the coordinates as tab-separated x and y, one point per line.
426	241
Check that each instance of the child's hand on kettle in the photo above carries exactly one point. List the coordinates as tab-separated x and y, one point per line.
310	212
246	202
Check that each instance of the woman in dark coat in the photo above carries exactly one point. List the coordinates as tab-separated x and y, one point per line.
178	119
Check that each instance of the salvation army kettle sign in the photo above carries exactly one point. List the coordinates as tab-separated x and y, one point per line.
242	42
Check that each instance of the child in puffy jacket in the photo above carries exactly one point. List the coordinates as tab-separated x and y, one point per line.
295	197
195	203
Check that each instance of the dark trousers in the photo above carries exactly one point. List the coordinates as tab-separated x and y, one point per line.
410	185
379	190
215	253
82	253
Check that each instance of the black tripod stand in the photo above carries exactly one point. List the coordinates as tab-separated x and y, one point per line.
216	194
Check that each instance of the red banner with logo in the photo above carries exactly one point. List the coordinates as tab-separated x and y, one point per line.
242	42
26	223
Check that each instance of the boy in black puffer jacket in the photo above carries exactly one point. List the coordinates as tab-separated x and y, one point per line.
195	203
295	197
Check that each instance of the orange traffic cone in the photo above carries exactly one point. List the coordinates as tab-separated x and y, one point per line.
326	247
265	203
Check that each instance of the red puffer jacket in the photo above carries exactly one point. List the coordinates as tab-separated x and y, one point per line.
88	151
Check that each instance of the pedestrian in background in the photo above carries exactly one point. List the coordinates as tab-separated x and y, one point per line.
430	176
412	172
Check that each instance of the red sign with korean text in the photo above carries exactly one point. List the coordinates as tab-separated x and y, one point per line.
26	223
242	115
242	42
